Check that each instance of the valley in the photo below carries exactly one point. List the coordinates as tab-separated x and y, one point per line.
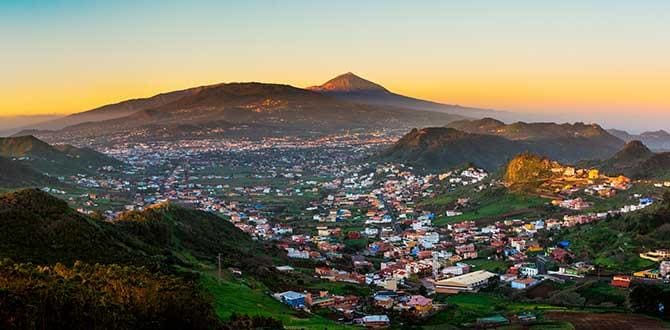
262	219
352	229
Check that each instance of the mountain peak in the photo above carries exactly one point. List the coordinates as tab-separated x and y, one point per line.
349	82
633	150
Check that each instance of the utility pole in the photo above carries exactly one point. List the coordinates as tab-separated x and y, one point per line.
218	258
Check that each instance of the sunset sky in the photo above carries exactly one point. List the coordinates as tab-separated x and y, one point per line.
606	61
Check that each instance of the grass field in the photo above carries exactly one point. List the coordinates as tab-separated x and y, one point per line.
490	265
246	296
497	206
465	308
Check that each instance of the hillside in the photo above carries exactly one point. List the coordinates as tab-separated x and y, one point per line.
112	111
53	160
440	147
616	243
353	88
85	296
37	227
259	108
637	161
491	144
189	234
563	142
528	170
169	249
13	174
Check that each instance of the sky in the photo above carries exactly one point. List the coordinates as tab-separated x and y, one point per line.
603	61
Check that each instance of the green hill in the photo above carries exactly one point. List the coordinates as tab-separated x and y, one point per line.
37	227
637	161
441	147
616	243
562	142
14	174
490	144
86	296
58	160
190	235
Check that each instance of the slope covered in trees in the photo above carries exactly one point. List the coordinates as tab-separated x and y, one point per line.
71	271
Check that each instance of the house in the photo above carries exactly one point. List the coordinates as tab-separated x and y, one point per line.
528	269
470	282
293	299
664	268
649	273
376	321
421	304
384	301
524	283
561	255
285	269
620	281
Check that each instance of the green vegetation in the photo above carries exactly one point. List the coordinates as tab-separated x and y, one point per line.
464	308
36	227
15	174
498	266
59	160
615	243
445	148
248	296
601	293
497	205
88	296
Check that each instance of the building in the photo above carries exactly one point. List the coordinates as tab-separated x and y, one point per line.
470	282
524	283
656	256
376	321
664	268
620	281
293	299
528	270
421	304
649	273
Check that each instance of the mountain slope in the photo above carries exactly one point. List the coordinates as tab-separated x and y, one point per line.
491	144
637	161
54	160
626	160
37	227
528	170
190	233
563	142
656	140
264	106
13	174
111	111
353	88
442	147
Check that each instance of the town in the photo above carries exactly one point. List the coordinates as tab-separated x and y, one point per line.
369	225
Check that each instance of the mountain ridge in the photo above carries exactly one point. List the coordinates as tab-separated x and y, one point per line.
281	107
655	140
440	147
372	93
53	160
